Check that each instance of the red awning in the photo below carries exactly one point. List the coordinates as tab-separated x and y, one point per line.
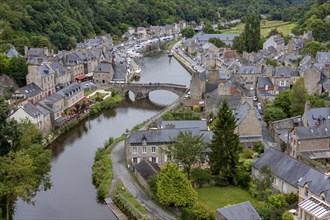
81	77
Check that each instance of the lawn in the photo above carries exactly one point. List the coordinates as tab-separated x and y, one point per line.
284	27
218	197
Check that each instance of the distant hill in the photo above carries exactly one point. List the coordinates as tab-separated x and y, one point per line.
63	23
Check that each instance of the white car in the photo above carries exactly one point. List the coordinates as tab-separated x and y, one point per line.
255	98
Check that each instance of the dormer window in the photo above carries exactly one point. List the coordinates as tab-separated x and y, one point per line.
306	190
144	140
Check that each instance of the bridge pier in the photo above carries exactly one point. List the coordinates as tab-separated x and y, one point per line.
141	95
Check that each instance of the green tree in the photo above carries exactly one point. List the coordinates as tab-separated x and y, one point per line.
298	97
225	145
316	101
186	150
272	32
277	201
18	69
273	114
217	42
25	170
282	101
264	182
39	41
4	63
173	188
201	176
252	33
313	47
238	43
188	32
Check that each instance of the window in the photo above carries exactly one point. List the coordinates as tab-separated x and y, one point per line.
134	160
306	191
144	150
134	150
154	159
153	149
169	158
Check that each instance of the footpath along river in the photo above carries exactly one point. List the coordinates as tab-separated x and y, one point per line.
73	195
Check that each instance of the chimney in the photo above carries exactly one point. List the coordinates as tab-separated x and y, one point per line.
307	106
26	49
46	53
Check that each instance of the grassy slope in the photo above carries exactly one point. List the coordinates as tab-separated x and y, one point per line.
218	197
284	27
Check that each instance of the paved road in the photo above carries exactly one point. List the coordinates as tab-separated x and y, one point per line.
120	172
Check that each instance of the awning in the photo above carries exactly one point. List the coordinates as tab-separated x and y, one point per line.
81	77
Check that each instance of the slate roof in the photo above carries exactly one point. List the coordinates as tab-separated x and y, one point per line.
317	183
240	211
305	63
201	124
34	111
147	168
263	81
158	136
305	133
323	57
284	72
241	112
248	70
70	90
227	38
58	66
12	53
313	114
45	70
223	75
30	90
103	67
283	166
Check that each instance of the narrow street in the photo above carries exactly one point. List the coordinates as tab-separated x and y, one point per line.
120	172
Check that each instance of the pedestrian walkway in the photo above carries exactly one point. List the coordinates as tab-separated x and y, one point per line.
108	93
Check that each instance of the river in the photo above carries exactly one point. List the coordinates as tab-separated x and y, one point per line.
73	195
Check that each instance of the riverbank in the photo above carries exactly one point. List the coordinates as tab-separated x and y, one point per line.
109	101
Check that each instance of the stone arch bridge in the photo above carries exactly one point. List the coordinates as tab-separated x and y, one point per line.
142	90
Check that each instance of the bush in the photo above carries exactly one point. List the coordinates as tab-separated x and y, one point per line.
258	147
247	164
248	153
198	212
291	198
243	177
287	216
201	176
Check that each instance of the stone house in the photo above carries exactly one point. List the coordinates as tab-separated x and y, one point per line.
155	31
280	130
275	41
201	124
141	33
314	195
310	142
103	73
169	29
312	78
12	52
283	77
144	170
150	144
43	76
248	122
29	93
61	100
73	65
322	57
243	210
248	75
182	24
295	46
264	84
202	38
62	76
315	116
36	114
286	170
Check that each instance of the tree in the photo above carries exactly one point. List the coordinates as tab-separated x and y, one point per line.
173	188
18	69
238	43
252	33
264	181
39	41
188	32
272	32
273	114
287	216
313	47
225	145
277	201
24	170
298	97
186	150
217	42
282	101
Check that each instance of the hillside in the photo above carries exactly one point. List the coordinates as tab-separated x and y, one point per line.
63	23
